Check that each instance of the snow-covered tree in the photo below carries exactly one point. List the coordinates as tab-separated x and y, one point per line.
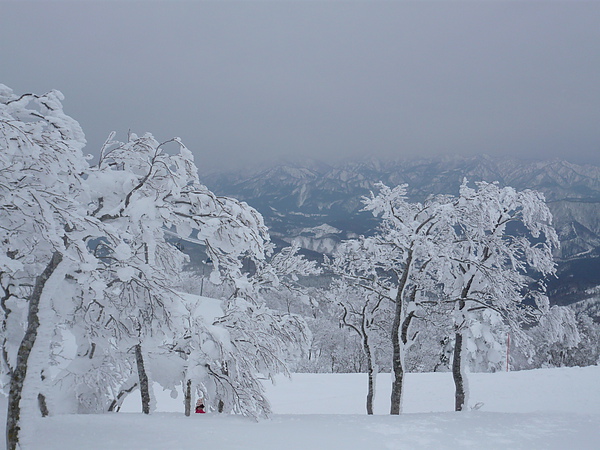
408	245
238	246
43	231
431	346
264	339
333	348
479	249
142	191
84	248
502	237
556	337
363	298
280	278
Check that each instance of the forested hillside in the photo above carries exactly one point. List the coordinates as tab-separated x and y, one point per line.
319	205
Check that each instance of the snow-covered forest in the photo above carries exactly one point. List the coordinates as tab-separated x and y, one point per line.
101	301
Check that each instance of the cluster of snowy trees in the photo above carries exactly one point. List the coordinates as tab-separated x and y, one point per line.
96	302
453	283
338	348
457	272
89	281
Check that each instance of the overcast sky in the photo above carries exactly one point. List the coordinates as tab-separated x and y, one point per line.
254	80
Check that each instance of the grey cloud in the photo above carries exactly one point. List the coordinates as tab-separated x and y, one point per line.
255	80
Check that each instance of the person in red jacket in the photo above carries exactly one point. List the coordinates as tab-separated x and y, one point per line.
200	406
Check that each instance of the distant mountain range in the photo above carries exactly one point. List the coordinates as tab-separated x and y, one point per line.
318	205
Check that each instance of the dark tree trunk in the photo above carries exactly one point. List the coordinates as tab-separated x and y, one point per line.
371	371
396	398
459	382
457	374
397	345
221	403
371	392
43	406
42	401
144	385
188	398
20	371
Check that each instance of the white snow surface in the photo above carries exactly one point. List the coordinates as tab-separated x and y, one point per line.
545	408
322	230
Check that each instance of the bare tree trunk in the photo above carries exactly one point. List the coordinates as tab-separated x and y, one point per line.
20	371
370	363
459	382
43	406
115	405
42	401
144	385
457	363
188	398
396	398
221	404
372	375
397	364
397	345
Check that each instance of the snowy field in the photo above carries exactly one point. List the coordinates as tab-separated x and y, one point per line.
538	409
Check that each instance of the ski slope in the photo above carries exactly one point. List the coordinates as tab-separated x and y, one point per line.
545	408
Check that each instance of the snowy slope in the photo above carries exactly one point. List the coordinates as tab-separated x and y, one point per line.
472	430
546	408
308	194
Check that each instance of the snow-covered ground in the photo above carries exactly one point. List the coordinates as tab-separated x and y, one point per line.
538	409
